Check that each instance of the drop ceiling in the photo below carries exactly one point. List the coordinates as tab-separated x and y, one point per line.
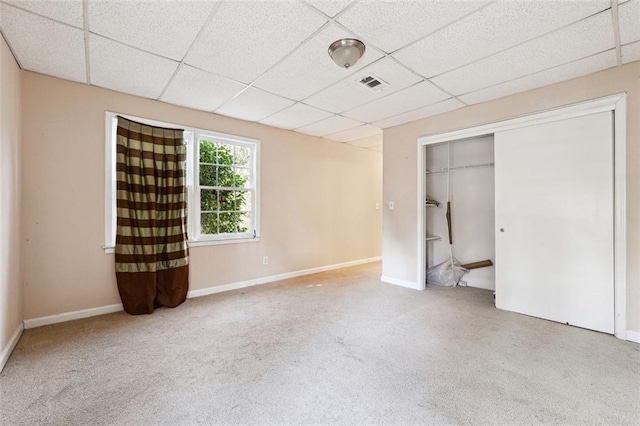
266	61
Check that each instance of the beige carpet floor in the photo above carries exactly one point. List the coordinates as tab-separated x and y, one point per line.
333	348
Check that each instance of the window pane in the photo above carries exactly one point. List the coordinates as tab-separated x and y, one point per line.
241	177
209	200
243	200
207	152
226	200
228	222
209	223
208	175
225	176
246	222
235	221
242	155
225	154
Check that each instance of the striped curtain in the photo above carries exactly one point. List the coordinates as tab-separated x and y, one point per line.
152	257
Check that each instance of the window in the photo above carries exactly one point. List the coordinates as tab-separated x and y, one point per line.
222	185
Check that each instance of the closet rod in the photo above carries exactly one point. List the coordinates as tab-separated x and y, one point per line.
471	166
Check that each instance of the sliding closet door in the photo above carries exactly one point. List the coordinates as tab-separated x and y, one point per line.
554	221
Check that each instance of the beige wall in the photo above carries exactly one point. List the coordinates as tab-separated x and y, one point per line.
10	285
317	198
400	166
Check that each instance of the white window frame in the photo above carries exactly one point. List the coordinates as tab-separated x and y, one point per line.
193	136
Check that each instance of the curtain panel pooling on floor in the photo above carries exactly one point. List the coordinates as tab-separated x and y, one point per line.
151	254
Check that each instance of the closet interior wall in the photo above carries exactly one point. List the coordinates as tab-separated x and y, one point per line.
472	205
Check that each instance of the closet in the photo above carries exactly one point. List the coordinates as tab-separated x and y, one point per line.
543	198
470	186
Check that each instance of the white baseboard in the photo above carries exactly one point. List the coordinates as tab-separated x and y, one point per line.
92	312
11	344
633	336
265	280
483	284
401	283
73	315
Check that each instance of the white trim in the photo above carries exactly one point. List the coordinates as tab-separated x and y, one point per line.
401	283
71	316
194	214
92	312
10	346
620	216
203	242
607	103
615	103
482	284
109	181
271	278
633	336
422	214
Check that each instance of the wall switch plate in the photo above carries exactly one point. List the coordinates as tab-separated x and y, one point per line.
265	260
392	205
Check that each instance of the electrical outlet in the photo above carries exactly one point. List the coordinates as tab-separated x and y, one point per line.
265	260
392	205
377	206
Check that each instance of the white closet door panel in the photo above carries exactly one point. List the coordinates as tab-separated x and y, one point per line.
554	200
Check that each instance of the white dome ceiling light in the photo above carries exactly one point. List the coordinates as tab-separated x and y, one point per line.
346	52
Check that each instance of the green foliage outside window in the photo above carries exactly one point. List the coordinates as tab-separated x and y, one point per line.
224	198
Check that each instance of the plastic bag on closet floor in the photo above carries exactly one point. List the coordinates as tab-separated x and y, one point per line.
446	274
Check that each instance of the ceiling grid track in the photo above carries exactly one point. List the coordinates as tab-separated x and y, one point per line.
251	84
520	44
87	48
195	40
616	30
370	112
535	72
13	53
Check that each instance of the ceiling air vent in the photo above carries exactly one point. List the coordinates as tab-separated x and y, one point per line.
374	83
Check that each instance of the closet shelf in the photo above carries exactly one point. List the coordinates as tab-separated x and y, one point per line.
433	238
470	166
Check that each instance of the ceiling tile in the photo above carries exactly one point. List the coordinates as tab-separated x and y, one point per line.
554	75
125	69
166	28
492	29
44	46
353	134
198	89
582	39
349	93
416	96
68	11
244	39
631	52
253	105
368	142
428	111
310	69
629	14
390	25
330	7
330	125
296	116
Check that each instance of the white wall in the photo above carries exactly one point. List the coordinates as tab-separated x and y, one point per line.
472	207
317	198
10	185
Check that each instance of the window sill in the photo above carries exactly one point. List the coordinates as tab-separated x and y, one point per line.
202	243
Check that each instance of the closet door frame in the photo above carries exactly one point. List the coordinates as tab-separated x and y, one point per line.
615	103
